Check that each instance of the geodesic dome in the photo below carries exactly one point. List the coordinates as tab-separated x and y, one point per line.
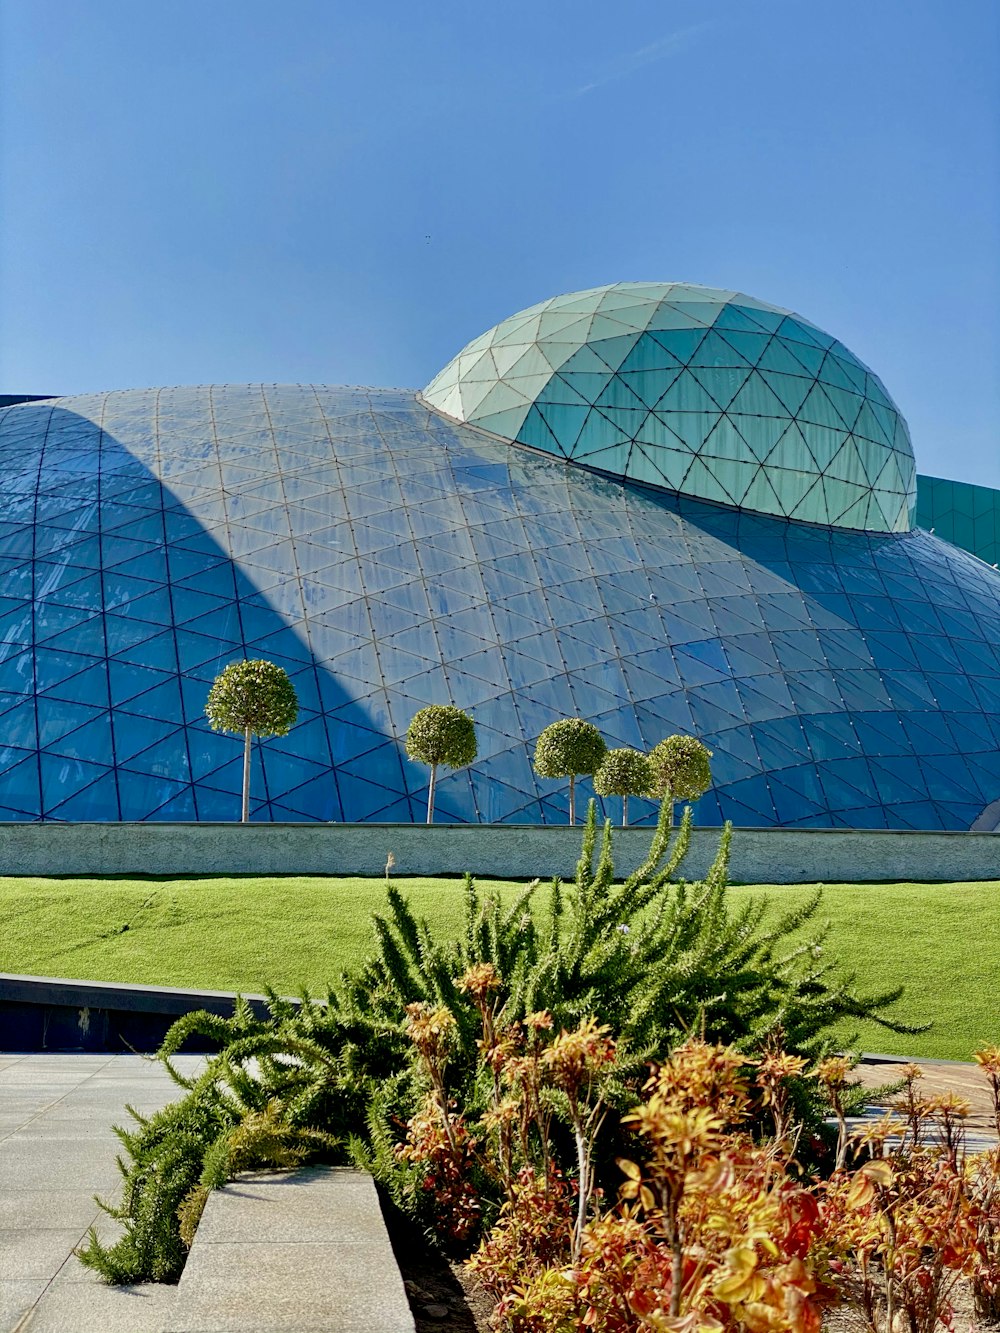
389	557
704	392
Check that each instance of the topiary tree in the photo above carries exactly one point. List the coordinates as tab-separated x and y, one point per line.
253	698
624	773
441	734
569	749
681	771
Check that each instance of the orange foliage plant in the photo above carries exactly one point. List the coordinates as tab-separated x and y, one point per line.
717	1227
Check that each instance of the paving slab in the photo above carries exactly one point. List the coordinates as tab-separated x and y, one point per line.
58	1149
46	1128
938	1076
9	1121
296	1252
33	1252
328	1205
96	1308
45	1170
46	1210
17	1298
80	1107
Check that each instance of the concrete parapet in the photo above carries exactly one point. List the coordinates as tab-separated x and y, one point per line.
66	1014
507	851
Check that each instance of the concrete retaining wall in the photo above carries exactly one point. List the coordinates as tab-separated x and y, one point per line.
62	1014
760	856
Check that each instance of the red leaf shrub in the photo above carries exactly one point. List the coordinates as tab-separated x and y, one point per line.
715	1231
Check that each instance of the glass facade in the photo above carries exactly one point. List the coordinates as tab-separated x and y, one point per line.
709	393
962	513
389	558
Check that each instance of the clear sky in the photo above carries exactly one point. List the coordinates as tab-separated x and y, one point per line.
200	191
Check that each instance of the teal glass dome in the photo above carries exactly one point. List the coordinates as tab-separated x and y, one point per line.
698	391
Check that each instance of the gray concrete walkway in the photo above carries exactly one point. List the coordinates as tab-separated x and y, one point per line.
297	1252
293	1252
57	1150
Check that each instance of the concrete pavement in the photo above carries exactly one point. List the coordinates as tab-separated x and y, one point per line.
57	1150
292	1252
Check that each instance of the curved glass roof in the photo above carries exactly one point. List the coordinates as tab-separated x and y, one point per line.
700	391
389	558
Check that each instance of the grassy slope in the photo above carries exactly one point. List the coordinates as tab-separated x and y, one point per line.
224	934
941	941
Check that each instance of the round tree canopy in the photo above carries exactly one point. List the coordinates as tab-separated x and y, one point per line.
568	748
254	696
442	734
624	773
681	769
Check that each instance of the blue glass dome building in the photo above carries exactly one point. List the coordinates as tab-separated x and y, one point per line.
661	508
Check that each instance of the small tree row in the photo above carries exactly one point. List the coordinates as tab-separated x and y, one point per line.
256	698
675	770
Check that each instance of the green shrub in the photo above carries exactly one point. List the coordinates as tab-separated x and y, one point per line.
569	749
652	958
254	698
441	734
624	773
235	1116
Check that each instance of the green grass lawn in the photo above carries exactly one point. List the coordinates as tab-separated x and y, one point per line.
941	941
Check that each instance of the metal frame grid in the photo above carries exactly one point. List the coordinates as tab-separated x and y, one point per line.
705	392
389	558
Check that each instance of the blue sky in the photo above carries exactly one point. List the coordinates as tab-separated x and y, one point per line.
338	193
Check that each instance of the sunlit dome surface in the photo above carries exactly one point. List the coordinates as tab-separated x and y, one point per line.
704	392
389	558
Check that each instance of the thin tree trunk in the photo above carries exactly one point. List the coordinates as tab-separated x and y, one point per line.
572	798
430	794
624	812
676	1275
246	776
583	1185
